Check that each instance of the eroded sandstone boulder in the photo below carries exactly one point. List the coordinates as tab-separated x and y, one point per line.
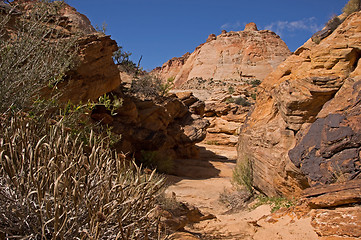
168	127
310	103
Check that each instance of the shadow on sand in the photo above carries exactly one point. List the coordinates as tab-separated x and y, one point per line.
197	168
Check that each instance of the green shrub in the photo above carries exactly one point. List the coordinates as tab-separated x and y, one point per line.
122	58
34	54
254	96
230	89
352	6
243	174
157	160
52	186
275	202
333	23
255	82
242	101
149	86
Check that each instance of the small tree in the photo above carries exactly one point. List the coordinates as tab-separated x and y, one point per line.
352	6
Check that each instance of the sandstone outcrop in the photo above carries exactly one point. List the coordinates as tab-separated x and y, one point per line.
95	72
233	55
168	127
310	104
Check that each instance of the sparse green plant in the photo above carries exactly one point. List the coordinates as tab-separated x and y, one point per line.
254	96
242	101
230	89
34	53
102	28
230	100
276	203
53	186
352	6
243	174
157	160
164	88
333	23
111	102
212	142
122	59
149	86
255	82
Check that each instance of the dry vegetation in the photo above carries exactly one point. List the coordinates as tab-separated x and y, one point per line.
53	186
58	181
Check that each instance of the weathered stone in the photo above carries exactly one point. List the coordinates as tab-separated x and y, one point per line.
341	222
232	55
310	103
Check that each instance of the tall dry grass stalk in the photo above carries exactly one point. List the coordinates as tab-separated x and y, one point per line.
52	186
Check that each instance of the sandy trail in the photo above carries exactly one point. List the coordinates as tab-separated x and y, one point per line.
199	182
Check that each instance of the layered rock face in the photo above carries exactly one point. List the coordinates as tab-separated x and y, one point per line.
310	105
234	55
95	72
171	126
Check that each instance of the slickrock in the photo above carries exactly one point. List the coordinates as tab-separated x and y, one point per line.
310	104
233	55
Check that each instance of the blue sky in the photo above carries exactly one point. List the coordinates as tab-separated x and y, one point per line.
162	29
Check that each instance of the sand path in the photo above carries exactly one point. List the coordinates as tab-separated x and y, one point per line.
199	182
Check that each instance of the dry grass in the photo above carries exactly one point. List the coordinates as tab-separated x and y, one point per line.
52	186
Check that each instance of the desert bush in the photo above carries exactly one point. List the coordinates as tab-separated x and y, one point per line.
255	82
276	203
235	200
333	23
149	86
352	6
122	59
52	186
242	101
230	89
34	53
243	174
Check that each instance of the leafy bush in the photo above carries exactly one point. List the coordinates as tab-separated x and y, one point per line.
333	23
121	58
255	82
52	186
34	53
242	101
243	174
230	89
352	6
149	86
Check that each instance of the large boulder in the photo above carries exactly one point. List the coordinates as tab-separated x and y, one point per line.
310	104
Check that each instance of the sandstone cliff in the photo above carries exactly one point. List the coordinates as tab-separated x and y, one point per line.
310	104
233	55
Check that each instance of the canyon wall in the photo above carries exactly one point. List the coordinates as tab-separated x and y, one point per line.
305	127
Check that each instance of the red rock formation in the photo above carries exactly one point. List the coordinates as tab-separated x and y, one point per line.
171	67
312	102
232	55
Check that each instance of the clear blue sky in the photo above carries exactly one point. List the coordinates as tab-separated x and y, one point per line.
162	29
